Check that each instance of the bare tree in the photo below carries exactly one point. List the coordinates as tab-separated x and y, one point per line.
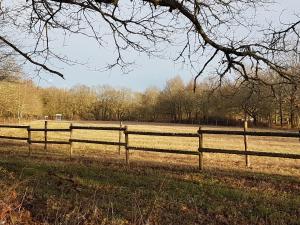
206	28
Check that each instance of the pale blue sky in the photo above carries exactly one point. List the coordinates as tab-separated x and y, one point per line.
147	71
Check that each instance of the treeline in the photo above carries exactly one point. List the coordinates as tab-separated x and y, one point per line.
176	102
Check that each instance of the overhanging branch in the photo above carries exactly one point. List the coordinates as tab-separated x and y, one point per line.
27	57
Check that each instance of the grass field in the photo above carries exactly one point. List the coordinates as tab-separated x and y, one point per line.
96	187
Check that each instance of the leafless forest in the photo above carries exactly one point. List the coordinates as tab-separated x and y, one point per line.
176	102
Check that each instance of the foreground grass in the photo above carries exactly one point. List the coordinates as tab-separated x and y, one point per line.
95	187
89	191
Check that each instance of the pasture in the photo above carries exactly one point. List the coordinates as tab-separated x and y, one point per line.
96	187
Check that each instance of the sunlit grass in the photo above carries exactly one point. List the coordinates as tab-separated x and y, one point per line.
107	192
271	144
96	187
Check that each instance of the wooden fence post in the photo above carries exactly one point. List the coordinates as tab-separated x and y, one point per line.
29	141
71	143
200	149
126	146
120	137
45	134
246	144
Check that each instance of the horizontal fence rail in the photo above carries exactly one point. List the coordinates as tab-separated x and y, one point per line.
49	129
14	138
124	130
169	134
51	142
253	153
15	126
96	128
97	142
252	133
23	127
174	151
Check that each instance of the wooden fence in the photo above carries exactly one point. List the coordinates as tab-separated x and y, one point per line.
124	129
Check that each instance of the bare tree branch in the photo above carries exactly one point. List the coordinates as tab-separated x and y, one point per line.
149	26
26	56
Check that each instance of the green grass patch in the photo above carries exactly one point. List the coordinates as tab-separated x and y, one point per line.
107	192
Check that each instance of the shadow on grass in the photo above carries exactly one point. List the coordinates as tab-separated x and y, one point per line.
72	192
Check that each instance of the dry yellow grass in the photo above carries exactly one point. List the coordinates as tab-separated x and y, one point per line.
97	188
263	164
